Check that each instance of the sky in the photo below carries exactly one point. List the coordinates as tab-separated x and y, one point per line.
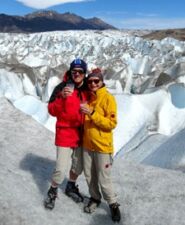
123	14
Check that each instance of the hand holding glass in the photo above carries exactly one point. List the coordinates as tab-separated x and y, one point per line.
84	108
68	89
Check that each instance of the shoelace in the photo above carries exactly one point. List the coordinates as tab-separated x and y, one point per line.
115	206
52	195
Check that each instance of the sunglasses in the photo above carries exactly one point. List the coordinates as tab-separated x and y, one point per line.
96	81
74	72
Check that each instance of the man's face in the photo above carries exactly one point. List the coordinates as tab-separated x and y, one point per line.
77	75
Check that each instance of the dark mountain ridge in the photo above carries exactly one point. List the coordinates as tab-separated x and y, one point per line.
42	21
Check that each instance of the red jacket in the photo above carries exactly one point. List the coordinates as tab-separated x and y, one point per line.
70	120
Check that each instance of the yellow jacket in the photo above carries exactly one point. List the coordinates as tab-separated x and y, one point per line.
98	127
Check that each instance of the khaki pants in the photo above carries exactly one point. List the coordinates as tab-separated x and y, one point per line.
67	157
97	170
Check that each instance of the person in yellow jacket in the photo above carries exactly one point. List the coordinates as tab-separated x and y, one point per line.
100	120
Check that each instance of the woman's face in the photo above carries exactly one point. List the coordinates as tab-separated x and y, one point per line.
94	83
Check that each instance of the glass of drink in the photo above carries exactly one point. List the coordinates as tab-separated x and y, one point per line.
83	103
71	86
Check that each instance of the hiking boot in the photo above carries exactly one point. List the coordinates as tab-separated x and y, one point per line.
115	212
92	205
49	202
72	191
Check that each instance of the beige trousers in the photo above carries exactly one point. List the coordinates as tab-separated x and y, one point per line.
67	157
97	170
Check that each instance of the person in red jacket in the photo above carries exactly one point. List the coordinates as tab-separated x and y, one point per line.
64	104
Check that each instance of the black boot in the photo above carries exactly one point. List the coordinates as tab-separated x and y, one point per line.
49	202
72	191
115	212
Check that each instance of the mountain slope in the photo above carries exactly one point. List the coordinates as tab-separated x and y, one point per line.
147	195
42	21
178	34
